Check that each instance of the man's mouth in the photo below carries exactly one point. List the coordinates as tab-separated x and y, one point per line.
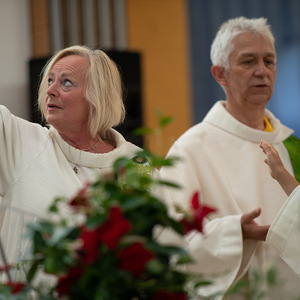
260	85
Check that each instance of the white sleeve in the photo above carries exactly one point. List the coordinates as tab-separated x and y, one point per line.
19	141
284	233
8	157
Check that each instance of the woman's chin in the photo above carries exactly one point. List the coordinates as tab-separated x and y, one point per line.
52	121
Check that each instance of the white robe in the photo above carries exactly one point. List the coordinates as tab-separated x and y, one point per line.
284	233
36	166
221	158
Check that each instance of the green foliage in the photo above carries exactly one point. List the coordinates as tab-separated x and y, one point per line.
162	123
253	287
59	243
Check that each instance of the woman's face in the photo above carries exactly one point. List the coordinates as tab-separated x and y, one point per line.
67	108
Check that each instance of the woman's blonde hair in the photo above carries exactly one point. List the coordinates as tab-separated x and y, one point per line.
103	88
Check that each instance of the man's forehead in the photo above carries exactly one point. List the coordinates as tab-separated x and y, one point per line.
252	44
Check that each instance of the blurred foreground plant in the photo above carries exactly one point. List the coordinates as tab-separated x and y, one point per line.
101	244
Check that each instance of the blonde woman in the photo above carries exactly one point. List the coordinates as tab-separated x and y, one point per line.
80	97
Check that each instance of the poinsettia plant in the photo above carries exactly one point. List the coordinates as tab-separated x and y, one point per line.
102	243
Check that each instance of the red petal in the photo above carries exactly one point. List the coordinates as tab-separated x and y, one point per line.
195	201
134	258
16	286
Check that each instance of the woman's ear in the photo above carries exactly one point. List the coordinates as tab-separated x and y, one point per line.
219	74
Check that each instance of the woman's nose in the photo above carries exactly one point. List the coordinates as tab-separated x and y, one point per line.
52	90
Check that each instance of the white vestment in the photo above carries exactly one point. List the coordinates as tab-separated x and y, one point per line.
36	166
221	158
284	233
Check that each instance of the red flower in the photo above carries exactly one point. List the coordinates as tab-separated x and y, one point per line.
15	286
5	268
108	233
80	200
65	282
134	258
198	214
90	245
114	228
169	296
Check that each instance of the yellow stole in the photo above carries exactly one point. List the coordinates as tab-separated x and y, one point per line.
292	144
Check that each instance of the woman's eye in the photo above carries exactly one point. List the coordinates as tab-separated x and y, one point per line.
50	81
67	82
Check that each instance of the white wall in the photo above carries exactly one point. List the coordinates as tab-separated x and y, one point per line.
15	53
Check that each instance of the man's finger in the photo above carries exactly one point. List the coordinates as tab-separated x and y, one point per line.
247	218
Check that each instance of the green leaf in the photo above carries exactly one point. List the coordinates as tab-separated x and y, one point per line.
56	261
169	222
164	121
238	287
95	220
165	250
167	162
121	164
132	203
155	267
185	259
54	206
62	233
202	283
143	131
272	276
168	183
33	269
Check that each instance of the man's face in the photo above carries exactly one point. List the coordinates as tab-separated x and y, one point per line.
252	72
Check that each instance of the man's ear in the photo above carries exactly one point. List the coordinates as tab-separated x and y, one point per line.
219	74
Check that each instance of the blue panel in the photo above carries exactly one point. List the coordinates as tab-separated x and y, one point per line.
206	16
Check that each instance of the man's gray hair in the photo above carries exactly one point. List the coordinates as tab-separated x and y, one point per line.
222	46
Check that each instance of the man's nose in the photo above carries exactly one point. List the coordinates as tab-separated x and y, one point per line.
261	68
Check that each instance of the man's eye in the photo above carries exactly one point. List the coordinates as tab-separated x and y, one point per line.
269	62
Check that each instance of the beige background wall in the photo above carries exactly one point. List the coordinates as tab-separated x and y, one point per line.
15	51
156	28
